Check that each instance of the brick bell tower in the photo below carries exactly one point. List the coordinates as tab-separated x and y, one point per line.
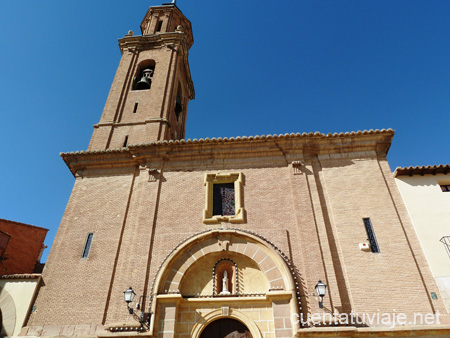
151	90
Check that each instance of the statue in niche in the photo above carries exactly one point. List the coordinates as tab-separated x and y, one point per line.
225	284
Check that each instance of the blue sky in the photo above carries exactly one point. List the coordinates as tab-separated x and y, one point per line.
259	67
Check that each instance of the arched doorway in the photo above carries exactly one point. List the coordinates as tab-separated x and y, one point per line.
226	328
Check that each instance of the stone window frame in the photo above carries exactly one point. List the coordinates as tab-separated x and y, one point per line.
210	179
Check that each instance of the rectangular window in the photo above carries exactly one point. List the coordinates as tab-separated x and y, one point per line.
125	142
223	199
87	246
4	239
371	235
135	107
159	25
445	187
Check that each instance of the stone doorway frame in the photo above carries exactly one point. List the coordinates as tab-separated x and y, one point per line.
219	314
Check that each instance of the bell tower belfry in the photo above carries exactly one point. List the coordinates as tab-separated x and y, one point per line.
152	87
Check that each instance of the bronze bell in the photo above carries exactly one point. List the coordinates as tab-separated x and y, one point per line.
146	81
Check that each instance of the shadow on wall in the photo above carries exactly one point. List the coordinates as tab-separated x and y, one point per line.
7	314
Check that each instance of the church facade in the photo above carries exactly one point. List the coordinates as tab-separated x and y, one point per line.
227	236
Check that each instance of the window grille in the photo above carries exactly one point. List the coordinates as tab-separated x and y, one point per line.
446	241
445	187
371	235
4	239
223	199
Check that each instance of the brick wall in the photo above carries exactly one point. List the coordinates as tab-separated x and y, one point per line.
24	247
315	218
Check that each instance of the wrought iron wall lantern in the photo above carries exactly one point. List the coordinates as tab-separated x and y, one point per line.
129	297
321	289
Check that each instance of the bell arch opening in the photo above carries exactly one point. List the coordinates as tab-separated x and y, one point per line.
144	75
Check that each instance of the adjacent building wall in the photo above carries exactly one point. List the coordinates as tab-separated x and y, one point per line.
16	294
429	209
24	248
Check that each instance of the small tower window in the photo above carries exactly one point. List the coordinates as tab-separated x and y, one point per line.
125	142
371	235
159	25
178	103
87	246
135	107
178	107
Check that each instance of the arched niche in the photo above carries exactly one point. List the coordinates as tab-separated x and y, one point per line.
222	243
225	277
205	275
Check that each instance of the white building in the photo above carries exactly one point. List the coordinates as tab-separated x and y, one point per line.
426	193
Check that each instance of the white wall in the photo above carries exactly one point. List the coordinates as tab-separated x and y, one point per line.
16	296
429	209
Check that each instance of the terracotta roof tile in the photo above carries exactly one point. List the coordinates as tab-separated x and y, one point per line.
235	139
422	170
19	223
21	276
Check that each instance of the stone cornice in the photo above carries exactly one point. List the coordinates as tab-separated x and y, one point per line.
116	124
269	150
155	40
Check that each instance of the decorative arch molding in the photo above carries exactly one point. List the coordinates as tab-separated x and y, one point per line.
271	260
218	314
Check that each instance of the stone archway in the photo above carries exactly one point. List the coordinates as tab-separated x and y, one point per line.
185	300
272	262
217	316
226	328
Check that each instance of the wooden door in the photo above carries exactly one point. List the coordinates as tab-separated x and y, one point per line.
226	328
